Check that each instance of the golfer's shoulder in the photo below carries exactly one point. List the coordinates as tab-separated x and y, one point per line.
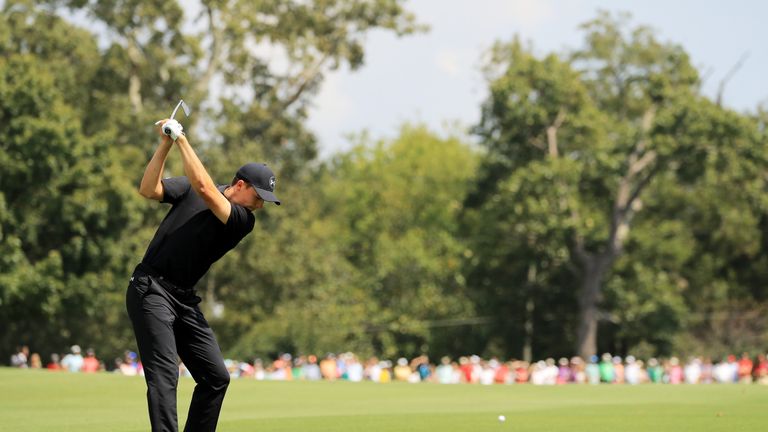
180	181
241	218
175	189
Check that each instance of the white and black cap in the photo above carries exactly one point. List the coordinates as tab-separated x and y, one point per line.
261	178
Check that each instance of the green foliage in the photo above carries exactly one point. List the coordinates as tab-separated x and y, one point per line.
67	206
76	132
363	258
611	177
609	188
398	204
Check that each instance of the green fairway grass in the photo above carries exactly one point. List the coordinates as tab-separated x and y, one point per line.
42	401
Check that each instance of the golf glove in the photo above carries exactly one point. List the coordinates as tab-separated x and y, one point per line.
173	129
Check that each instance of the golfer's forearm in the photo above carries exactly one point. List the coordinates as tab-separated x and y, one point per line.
150	184
201	181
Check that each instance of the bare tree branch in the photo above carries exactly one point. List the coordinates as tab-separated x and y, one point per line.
728	76
639	158
578	240
552	134
305	79
637	162
640	186
214	57
134	80
648	116
640	164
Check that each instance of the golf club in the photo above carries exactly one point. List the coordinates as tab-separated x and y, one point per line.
187	112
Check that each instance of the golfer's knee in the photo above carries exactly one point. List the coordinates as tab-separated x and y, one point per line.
220	380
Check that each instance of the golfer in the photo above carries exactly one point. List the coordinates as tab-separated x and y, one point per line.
205	221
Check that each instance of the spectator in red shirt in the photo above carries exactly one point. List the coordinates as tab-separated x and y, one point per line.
90	362
466	369
502	374
761	370
55	363
521	372
745	369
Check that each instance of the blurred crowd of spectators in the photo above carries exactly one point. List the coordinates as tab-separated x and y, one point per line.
465	369
75	361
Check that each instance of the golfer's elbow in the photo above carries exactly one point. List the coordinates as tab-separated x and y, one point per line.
151	193
143	191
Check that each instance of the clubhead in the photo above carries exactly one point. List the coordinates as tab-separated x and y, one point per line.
183	106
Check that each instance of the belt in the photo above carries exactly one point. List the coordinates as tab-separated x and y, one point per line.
163	281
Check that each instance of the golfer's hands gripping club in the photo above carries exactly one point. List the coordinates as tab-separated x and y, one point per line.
171	128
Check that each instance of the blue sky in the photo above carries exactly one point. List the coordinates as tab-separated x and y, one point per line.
435	77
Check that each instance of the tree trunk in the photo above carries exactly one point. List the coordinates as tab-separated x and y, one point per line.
529	308
594	271
528	327
596	265
136	58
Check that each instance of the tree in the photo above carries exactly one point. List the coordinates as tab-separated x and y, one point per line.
602	130
66	203
367	258
257	104
77	117
398	204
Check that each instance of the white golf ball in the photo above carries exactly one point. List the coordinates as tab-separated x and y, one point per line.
502	418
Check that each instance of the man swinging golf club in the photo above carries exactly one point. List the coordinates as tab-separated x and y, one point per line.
205	221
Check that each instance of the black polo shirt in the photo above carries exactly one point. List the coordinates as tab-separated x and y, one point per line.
191	237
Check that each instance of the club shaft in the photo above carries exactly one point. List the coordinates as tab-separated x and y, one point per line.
173	114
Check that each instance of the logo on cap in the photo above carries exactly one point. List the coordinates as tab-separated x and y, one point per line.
272	182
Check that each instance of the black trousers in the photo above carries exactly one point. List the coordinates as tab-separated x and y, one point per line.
168	327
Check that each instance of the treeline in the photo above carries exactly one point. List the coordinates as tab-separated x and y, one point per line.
601	203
